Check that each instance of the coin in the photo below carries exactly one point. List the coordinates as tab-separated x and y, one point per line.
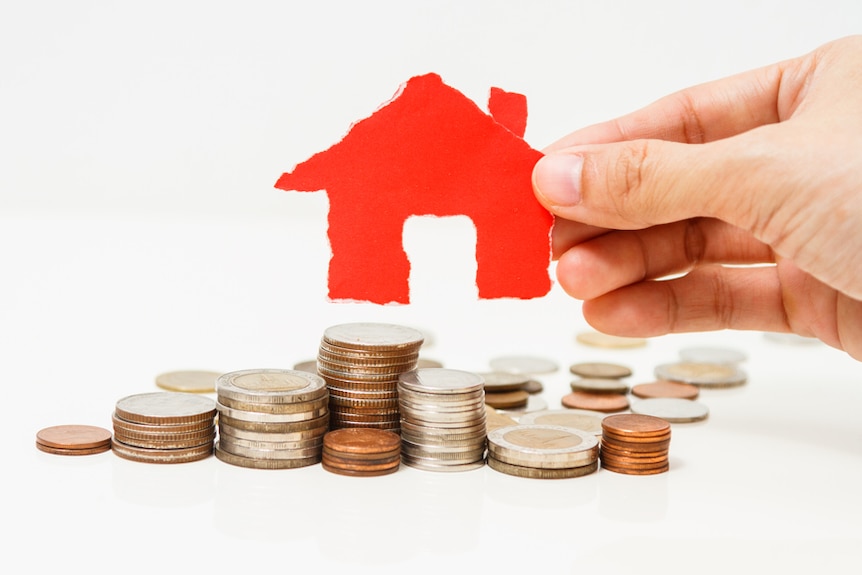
663	388
672	409
73	440
189	381
256	463
597	369
702	374
590	400
534	403
582	419
598	339
259	417
534	386
441	465
144	455
165	407
507	399
308	365
635	471
545	446
361	440
276	408
498	381
541	472
636	425
599	385
523	364
424	362
441	380
379	336
270	386
712	354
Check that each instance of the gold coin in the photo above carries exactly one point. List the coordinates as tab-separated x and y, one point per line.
189	381
600	370
663	388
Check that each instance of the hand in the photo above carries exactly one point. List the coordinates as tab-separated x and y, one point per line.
760	168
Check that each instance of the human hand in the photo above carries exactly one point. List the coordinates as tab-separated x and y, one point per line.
764	167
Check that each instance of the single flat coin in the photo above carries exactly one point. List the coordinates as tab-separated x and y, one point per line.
666	389
523	364
544	446
582	419
271	386
592	401
702	374
441	380
629	471
72	437
672	409
712	354
441	466
499	381
367	335
507	399
188	381
362	441
308	366
534	386
598	339
360	472
600	370
73	451
144	455
165	407
254	463
600	385
541	472
635	425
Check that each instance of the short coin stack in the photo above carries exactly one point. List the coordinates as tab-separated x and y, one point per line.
543	451
271	418
635	444
164	427
361	452
361	363
442	419
506	390
73	440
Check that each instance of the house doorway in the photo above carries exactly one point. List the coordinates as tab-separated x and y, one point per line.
442	254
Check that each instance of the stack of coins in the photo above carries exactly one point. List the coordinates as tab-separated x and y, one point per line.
361	363
271	418
164	427
361	452
635	444
543	451
442	419
506	390
600	387
73	440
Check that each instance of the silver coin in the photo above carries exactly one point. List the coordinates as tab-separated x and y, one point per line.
367	335
702	374
504	380
440	380
600	385
164	405
257	417
547	446
582	419
671	409
712	355
271	386
523	364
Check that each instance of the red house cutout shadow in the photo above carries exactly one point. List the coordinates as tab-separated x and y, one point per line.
431	151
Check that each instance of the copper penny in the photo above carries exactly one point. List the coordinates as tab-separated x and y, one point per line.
70	437
664	388
75	451
358	440
360	472
593	401
646	456
631	471
635	425
630	439
507	399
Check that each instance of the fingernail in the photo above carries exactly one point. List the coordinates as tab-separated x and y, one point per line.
557	177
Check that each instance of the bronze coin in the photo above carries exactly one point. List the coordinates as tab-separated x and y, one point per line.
369	464
360	472
362	458
361	441
122	425
507	399
73	451
631	457
626	447
630	471
664	388
633	440
70	437
635	425
593	401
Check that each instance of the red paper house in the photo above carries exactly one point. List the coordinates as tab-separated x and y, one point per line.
431	151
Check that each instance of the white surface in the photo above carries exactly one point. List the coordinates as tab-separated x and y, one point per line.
140	233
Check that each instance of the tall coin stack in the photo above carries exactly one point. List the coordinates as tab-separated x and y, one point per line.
442	419
635	444
360	363
271	418
164	427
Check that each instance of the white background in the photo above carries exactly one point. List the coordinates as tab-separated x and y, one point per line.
140	232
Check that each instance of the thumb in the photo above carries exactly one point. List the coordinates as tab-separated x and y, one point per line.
635	184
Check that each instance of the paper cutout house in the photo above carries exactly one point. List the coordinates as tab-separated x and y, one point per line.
431	151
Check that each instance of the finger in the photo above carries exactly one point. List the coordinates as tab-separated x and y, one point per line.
707	112
567	233
614	260
708	298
